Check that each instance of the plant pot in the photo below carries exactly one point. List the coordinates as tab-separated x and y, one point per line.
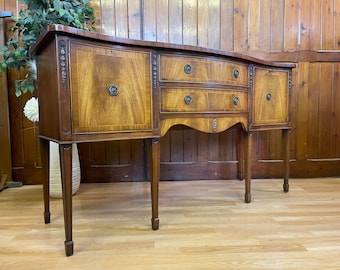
55	175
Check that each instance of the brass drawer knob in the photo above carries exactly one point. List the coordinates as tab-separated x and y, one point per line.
113	90
188	100
269	96
236	73
236	101
187	68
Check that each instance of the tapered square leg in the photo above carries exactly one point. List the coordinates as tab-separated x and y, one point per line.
66	176
45	160
155	168
285	153
248	137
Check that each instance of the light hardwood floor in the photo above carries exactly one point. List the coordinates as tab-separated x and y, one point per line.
203	225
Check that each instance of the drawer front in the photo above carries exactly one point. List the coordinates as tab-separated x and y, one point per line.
271	96
179	68
202	100
110	89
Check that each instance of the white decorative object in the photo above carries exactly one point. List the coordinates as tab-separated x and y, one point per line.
31	111
55	175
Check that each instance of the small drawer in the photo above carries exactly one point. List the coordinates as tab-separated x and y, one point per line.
179	68
202	100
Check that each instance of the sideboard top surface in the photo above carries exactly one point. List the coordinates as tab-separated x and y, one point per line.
53	29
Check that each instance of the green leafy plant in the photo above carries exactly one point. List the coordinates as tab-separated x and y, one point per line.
30	24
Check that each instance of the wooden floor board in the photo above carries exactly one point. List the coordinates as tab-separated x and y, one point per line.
203	225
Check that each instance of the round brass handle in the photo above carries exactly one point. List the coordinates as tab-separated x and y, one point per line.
187	68
113	90
236	101
236	73
269	96
188	100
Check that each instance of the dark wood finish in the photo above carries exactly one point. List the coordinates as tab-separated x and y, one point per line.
103	88
5	141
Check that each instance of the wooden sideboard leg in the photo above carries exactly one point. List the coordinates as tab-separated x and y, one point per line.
285	153
247	152
240	156
155	168
45	160
66	176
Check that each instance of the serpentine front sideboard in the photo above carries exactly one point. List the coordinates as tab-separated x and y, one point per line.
94	87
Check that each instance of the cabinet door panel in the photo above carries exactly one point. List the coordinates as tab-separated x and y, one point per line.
110	88
270	96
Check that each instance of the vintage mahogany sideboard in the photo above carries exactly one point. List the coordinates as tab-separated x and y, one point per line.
94	87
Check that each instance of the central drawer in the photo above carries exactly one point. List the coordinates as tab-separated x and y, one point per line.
179	68
202	100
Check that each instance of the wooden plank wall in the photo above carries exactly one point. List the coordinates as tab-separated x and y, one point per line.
26	162
5	146
304	31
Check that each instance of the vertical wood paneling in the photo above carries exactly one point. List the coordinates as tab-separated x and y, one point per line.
227	25
241	25
291	25
176	21
96	5
5	157
2	23
149	20
190	145
190	22
327	8
325	110
274	148
214	24
265	25
107	17
277	24
254	25
302	86
24	139
314	8
134	21
177	145
162	20
313	110
202	39
294	106
227	147
336	25
121	12
97	153
125	152
305	24
165	153
336	112
214	146
202	147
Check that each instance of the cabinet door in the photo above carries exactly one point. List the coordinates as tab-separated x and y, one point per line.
110	88
270	96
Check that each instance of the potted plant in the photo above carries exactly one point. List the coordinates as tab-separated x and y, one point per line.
29	25
24	33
